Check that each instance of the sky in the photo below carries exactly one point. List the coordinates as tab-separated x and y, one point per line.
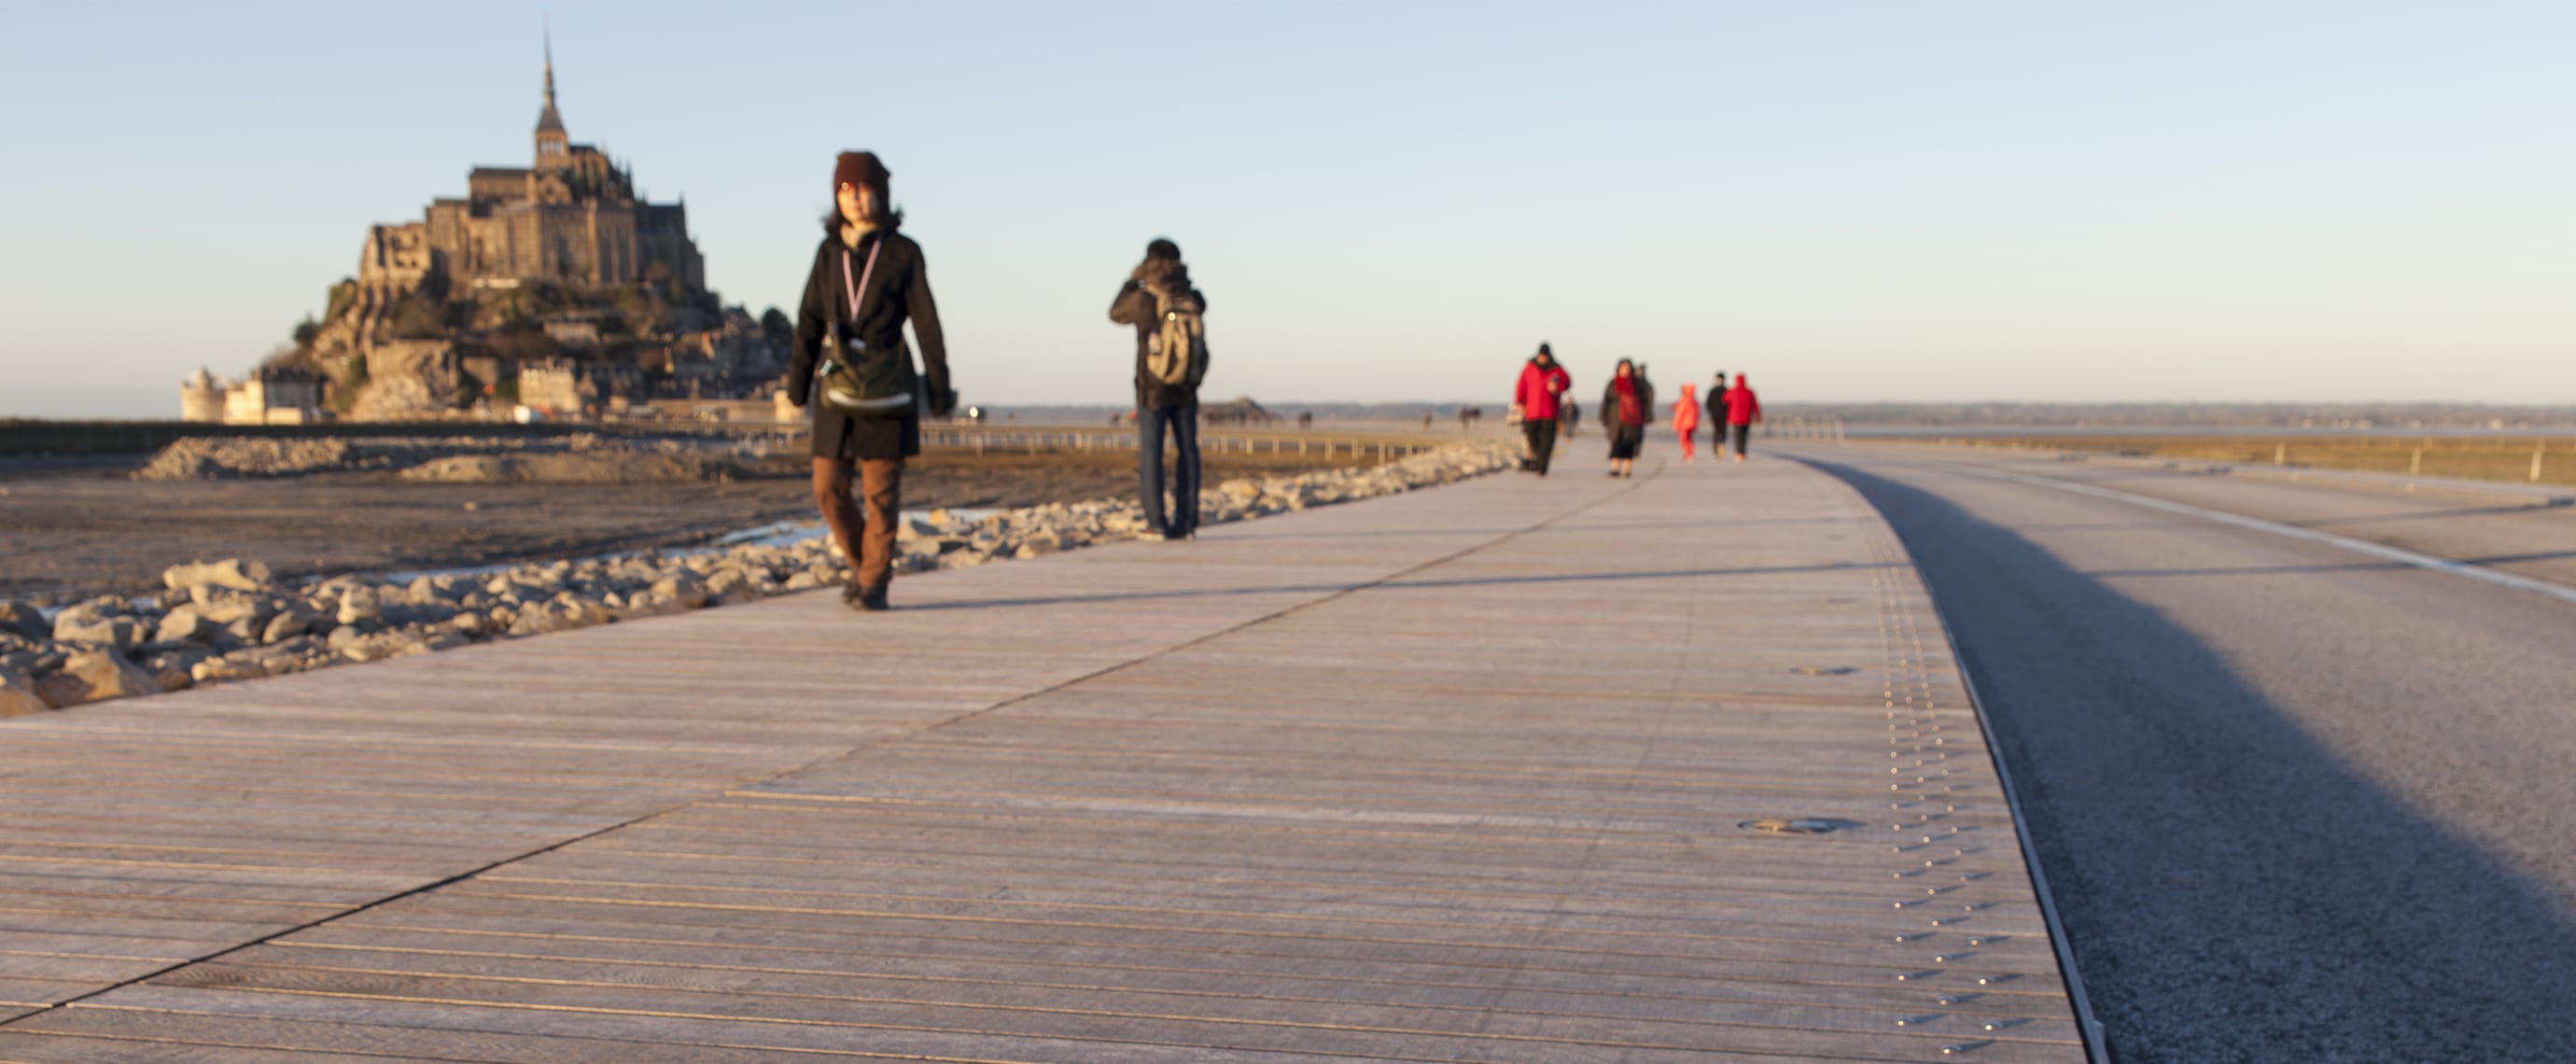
1849	201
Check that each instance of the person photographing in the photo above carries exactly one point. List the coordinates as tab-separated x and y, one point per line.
1171	360
853	370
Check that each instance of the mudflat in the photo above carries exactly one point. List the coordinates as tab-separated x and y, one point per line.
82	526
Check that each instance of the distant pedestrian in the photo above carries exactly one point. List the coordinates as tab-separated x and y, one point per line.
1717	417
866	280
1171	360
1569	418
1743	412
1686	420
1624	415
1535	397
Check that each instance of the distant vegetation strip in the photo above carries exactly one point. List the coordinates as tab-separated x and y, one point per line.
2518	459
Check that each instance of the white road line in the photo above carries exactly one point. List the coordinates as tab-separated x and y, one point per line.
2500	578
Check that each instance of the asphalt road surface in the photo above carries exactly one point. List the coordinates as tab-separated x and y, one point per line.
2294	803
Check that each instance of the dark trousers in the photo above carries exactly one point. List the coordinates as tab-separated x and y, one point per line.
1542	442
1742	432
1183	421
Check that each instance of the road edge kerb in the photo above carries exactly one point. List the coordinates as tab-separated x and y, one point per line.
2417	559
2095	1050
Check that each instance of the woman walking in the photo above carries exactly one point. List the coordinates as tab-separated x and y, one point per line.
867	279
1686	420
1624	415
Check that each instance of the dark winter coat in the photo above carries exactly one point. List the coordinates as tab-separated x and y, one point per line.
898	289
1136	306
1610	418
1717	404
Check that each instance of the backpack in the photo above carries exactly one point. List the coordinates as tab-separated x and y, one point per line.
1176	351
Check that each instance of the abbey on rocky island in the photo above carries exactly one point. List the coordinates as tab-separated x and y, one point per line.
570	217
551	286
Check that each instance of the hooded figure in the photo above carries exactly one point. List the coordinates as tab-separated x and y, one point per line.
1743	411
1686	419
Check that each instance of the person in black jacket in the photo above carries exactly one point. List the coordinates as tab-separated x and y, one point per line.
1162	406
1717	418
867	279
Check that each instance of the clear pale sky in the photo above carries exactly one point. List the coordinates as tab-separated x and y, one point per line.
1850	201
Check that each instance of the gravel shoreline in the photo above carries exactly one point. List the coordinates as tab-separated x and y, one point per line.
230	620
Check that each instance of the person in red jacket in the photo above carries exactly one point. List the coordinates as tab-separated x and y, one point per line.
1743	411
1542	386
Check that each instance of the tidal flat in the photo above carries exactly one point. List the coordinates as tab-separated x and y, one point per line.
73	527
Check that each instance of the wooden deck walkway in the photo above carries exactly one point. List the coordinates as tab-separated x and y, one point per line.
1451	776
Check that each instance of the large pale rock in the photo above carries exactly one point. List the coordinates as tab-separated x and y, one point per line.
682	588
286	625
234	573
185	625
96	676
361	605
234	609
117	632
536	621
385	645
18	696
238	665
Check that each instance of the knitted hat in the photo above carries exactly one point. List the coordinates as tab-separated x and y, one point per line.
859	168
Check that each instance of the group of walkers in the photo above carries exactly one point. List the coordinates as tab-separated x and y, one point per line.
853	369
1542	402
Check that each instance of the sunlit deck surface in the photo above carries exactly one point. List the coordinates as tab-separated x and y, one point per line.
1452	776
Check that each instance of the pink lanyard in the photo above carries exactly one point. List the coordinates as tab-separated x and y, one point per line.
864	273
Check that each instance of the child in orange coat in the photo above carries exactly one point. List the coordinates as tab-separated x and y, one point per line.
1686	420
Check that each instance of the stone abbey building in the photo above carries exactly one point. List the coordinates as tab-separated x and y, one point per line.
441	313
571	217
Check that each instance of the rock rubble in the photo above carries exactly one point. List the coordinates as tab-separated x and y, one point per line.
575	458
228	620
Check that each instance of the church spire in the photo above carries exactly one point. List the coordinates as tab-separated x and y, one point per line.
548	121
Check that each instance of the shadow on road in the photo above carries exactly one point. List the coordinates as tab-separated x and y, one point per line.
2232	889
